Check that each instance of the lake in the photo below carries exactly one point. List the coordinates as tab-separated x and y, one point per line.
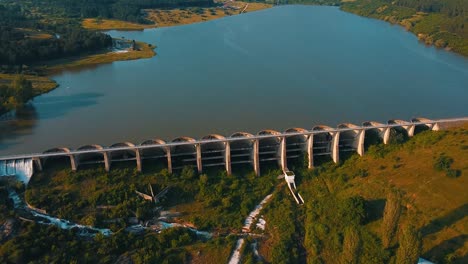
288	66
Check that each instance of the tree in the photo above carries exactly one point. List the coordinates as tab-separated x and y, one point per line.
391	217
22	89
351	246
410	246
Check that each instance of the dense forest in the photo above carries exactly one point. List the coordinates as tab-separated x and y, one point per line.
129	10
18	47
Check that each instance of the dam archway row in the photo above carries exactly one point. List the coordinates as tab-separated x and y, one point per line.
241	147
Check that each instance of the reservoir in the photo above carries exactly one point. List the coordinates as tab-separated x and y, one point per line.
288	66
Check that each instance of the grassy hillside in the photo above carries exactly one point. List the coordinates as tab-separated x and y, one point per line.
353	195
341	222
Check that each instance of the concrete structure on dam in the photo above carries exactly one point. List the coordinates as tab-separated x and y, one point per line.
241	147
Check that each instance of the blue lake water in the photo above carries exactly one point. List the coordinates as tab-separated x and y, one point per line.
288	66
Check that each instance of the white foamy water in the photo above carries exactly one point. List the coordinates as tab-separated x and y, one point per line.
50	220
22	169
236	255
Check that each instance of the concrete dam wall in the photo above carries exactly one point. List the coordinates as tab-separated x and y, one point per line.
241	147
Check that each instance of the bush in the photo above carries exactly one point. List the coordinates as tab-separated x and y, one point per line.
451	173
443	162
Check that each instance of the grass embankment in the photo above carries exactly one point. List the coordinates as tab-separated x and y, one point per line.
430	170
40	84
175	16
142	51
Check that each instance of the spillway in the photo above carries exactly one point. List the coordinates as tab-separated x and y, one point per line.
22	169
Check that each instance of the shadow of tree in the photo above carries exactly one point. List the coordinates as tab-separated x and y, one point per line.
438	224
439	252
374	209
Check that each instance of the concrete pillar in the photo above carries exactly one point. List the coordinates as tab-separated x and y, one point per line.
335	151
227	157
386	135
310	151
410	130
199	159
360	141
107	161
38	163
73	162
169	160
255	157
282	154
138	160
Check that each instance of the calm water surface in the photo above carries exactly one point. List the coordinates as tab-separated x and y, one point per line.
289	66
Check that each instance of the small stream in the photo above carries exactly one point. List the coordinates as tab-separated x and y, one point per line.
45	219
89	231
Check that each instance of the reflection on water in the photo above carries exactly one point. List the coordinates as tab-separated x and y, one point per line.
22	122
58	106
17	123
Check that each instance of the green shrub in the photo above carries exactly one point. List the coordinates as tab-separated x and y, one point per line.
443	162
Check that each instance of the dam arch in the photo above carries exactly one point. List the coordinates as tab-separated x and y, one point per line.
67	157
185	154
242	150
400	131
96	155
269	148
295	146
157	153
128	154
214	153
424	124
322	145
351	139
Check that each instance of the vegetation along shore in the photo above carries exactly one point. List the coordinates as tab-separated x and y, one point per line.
44	37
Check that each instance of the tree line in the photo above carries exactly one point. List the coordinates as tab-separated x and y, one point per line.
16	94
17	47
128	10
451	8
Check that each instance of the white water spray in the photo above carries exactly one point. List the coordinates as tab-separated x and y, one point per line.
22	169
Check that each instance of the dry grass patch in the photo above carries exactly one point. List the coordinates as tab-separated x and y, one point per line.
179	16
35	34
143	51
41	84
435	202
108	24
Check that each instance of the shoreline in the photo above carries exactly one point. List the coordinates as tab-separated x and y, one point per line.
43	83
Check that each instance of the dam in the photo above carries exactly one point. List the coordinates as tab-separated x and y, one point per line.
240	148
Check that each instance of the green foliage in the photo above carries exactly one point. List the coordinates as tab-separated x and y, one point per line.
410	246
351	246
15	95
442	24
443	162
391	217
48	244
281	215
